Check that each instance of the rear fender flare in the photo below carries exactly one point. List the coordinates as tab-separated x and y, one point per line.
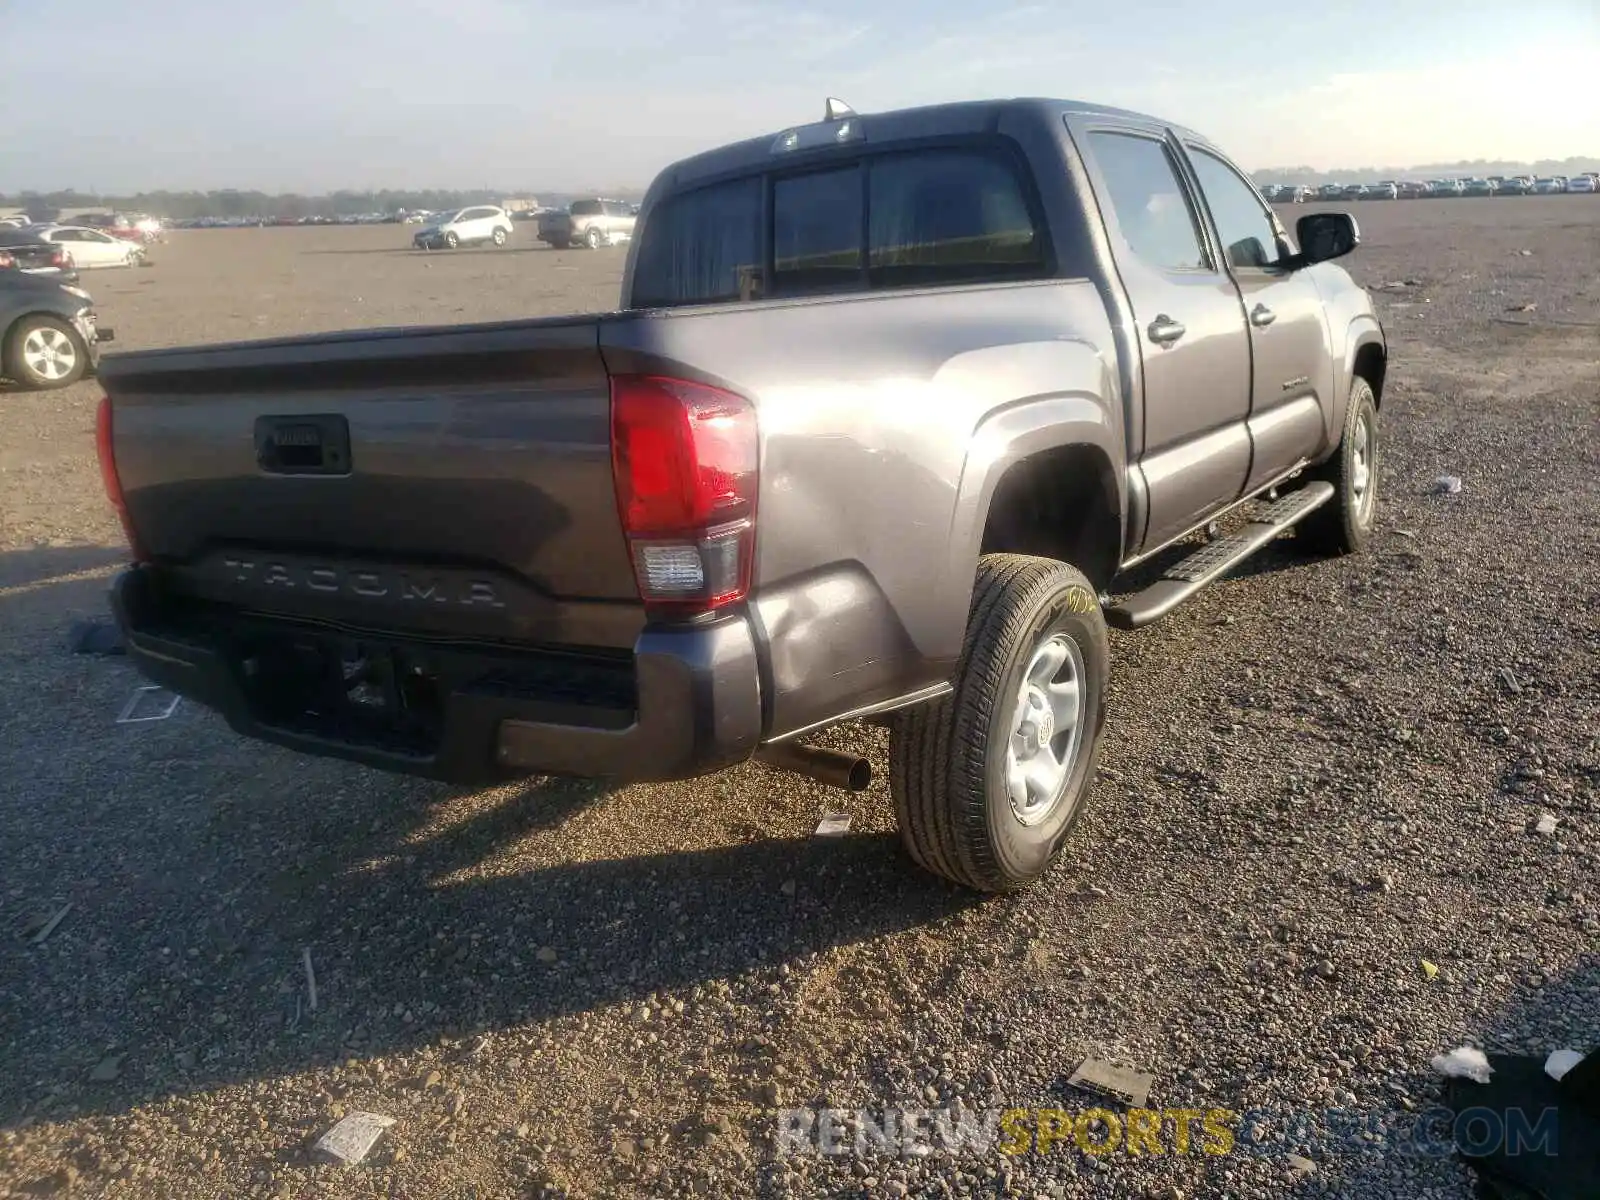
1005	438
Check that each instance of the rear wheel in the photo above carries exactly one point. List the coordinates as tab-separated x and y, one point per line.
451	241
989	780
592	239
499	237
1344	524
44	352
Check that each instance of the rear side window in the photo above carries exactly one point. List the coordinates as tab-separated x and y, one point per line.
586	208
898	219
1151	208
701	247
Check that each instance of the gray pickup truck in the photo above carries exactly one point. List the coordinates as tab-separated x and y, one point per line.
892	405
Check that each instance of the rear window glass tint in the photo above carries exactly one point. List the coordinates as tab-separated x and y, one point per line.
949	209
816	227
701	247
586	208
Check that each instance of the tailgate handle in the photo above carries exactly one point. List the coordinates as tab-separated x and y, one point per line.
307	444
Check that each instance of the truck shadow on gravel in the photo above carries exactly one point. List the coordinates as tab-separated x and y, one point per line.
200	867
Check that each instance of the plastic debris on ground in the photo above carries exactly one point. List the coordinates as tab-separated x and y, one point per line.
148	704
1545	826
1464	1062
349	1141
1429	969
834	825
95	637
1447	485
1113	1082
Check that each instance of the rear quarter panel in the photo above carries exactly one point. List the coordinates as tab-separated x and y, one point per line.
885	422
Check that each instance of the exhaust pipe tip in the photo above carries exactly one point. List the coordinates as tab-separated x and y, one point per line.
832	768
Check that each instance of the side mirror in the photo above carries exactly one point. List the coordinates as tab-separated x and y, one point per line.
1325	236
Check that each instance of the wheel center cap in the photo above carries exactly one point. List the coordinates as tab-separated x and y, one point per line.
1041	723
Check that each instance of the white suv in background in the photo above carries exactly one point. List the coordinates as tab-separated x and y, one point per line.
465	227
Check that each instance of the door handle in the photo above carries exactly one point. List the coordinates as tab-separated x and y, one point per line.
1164	330
1261	316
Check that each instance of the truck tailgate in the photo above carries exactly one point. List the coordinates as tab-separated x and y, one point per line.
450	480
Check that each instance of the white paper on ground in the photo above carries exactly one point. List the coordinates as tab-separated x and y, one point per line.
351	1138
1560	1062
1464	1062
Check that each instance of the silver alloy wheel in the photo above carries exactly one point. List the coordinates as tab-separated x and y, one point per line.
1362	487
49	353
1046	729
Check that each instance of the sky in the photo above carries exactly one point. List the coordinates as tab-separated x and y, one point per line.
313	95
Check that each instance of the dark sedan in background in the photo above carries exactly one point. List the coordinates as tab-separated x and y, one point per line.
48	333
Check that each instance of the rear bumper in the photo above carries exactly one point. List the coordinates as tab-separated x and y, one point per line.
687	703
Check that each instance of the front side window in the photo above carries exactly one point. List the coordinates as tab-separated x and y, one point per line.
1249	237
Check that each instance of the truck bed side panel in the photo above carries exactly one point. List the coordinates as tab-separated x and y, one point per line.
868	408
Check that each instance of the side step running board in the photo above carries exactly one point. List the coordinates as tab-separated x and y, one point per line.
1185	578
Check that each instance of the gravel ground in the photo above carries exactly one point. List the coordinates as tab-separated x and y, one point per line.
1317	776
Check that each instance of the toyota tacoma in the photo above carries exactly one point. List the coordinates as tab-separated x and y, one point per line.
890	410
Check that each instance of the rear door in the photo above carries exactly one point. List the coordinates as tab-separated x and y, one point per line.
1292	367
1196	353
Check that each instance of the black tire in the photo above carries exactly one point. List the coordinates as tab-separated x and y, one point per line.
499	237
1344	524
592	239
451	241
948	758
65	339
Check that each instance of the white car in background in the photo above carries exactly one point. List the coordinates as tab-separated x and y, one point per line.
1582	183
465	227
91	248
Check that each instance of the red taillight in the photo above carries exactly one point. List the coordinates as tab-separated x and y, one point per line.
108	476
684	459
6	260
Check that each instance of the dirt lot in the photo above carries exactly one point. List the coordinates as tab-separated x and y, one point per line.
1317	777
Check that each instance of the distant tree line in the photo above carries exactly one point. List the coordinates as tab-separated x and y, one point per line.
1478	168
228	202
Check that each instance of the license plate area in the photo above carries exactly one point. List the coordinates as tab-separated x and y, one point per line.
345	689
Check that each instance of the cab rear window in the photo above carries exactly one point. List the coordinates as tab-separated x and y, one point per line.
905	219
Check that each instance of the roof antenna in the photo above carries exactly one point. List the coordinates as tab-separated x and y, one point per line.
838	110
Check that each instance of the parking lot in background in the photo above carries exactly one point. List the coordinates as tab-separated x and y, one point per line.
1317	777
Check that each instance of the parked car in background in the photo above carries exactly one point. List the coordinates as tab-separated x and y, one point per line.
1445	187
707	525
1382	191
31	254
1582	183
1549	185
1299	194
92	248
593	222
1477	187
48	333
1414	189
479	224
1512	185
